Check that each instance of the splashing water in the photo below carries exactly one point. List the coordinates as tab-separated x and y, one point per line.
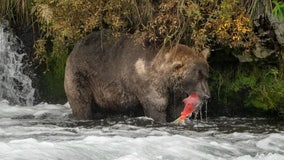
48	132
15	86
199	109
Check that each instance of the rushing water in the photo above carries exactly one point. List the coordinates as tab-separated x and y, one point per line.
14	84
48	132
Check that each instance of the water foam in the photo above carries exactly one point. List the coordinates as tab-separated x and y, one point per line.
47	131
15	86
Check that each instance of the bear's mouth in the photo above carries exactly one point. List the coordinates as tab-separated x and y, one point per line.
203	98
192	104
202	101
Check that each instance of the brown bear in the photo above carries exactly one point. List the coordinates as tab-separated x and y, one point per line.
118	75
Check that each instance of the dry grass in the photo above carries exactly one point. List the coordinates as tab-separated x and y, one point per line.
16	11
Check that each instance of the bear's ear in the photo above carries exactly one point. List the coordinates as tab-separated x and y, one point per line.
205	52
177	65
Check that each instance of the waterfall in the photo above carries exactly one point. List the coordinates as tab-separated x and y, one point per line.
15	86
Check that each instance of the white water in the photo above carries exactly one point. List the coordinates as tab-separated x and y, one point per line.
14	84
47	132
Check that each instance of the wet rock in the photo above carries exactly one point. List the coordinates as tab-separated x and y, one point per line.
262	51
278	27
271	38
244	57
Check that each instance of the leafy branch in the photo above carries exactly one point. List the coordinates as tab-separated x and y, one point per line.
278	10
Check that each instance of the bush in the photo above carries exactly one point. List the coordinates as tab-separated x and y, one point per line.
250	86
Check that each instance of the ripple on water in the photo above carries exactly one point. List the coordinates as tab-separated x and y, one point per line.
50	133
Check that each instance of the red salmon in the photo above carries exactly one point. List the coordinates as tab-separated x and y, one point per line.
191	103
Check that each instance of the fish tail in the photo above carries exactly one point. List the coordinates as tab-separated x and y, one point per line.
179	121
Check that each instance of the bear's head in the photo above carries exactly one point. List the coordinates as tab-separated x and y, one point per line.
187	71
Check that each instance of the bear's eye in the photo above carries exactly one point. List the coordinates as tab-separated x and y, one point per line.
202	74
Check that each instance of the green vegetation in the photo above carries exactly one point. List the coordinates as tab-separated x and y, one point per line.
220	24
199	23
249	86
278	10
54	77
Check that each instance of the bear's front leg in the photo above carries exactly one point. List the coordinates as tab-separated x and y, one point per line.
81	109
80	102
79	95
155	106
152	112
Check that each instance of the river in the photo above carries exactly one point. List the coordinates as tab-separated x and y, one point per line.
48	132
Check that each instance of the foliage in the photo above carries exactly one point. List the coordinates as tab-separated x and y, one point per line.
54	77
173	21
232	27
255	87
278	10
268	92
198	23
17	11
73	19
201	23
64	22
54	62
